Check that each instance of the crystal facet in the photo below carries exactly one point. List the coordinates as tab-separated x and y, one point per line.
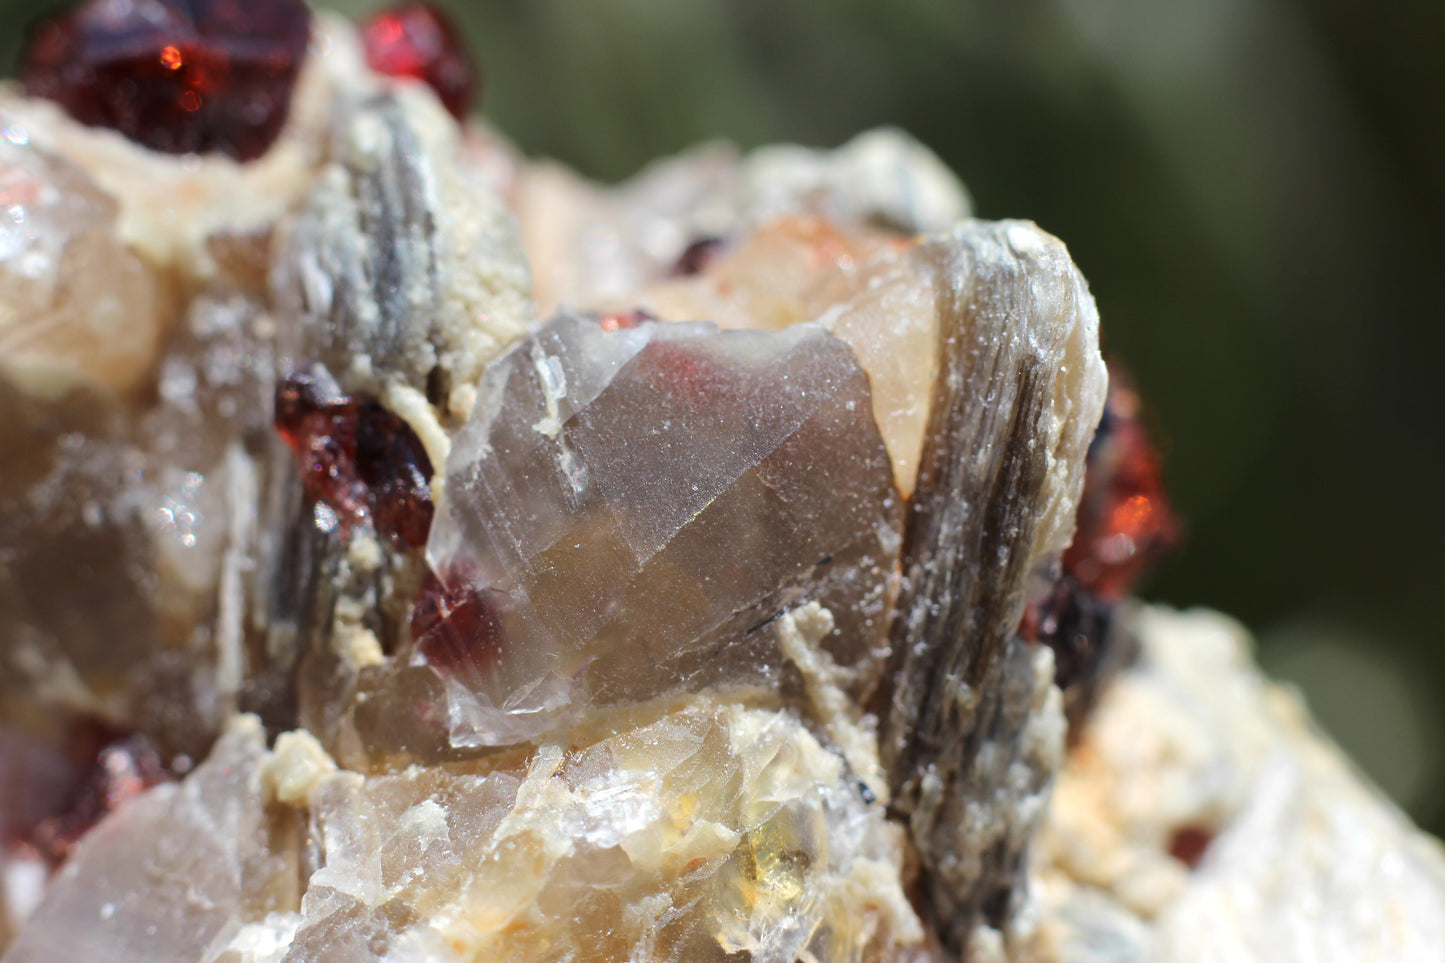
620	635
638	503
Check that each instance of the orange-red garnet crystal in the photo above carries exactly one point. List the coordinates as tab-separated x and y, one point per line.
419	41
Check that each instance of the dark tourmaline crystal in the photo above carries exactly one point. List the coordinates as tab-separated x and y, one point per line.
179	76
419	41
1019	389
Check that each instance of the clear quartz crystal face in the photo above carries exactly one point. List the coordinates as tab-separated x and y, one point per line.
635	506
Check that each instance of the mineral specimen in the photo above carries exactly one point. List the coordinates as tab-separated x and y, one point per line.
412	553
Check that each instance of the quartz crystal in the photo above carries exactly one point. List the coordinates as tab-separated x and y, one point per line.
636	505
77	305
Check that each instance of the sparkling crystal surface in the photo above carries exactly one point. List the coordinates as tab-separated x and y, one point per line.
179	76
127	533
636	503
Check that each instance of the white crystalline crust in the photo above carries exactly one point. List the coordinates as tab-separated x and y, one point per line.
1310	863
394	195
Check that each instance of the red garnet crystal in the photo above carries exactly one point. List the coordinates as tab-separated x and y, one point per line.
180	76
456	627
357	457
1125	522
419	41
123	769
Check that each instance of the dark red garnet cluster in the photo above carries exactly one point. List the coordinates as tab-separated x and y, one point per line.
201	76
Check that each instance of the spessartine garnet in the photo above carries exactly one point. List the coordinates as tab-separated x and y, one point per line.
419	41
178	76
1125	523
456	626
357	457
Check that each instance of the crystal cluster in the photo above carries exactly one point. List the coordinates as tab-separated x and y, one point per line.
573	637
412	553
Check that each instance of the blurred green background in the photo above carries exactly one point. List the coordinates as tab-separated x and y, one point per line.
1254	189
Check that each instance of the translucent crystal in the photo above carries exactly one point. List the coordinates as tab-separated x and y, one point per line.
635	504
174	872
691	836
127	536
76	304
867	287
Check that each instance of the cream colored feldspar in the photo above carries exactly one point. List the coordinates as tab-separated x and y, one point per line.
862	284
